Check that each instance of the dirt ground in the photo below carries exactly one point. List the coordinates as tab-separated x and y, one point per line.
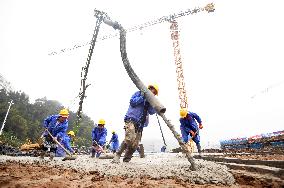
13	174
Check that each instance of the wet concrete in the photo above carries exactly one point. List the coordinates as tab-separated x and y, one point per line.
155	166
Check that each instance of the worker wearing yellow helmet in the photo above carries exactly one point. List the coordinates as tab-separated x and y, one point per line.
189	128
136	118
71	135
66	141
57	125
99	134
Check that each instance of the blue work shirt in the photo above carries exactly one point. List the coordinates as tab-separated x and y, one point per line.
99	135
114	142
54	126
189	121
188	124
136	108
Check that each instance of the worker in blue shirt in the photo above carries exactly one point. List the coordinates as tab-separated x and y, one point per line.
189	128
65	141
114	142
136	118
56	124
99	134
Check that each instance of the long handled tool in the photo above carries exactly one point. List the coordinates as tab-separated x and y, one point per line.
106	155
70	157
101	148
165	145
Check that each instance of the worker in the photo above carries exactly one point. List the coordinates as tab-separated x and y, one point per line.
71	134
189	128
136	118
163	149
65	141
114	142
57	125
99	134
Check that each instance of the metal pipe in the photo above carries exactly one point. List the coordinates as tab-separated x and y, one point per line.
10	104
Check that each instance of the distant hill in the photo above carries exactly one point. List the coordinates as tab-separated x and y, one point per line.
4	84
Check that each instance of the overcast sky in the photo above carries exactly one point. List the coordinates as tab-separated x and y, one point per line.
232	58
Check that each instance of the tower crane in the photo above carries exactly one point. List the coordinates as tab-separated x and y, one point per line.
178	61
175	38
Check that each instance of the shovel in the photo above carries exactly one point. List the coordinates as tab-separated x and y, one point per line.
106	156
70	157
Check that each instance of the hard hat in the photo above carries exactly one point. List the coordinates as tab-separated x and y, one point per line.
102	122
156	87
64	112
71	133
183	112
112	132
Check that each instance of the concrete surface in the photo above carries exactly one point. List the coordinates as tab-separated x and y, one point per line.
154	166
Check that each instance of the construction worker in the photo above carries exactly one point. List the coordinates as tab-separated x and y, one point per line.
189	128
71	134
114	142
136	118
99	134
163	149
56	125
65	141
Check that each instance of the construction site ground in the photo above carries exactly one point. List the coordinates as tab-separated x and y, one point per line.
156	170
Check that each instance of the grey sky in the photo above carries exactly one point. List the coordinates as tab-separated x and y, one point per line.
229	56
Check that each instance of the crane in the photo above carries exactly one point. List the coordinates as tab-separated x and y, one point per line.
178	61
208	8
175	36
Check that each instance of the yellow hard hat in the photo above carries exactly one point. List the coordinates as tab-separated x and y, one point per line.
64	112
156	87
102	122
112	132
183	112
71	133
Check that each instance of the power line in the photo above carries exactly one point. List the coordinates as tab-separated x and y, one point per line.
267	89
208	8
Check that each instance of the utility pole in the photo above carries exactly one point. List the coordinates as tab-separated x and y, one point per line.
10	104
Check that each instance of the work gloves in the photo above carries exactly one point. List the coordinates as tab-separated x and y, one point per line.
200	126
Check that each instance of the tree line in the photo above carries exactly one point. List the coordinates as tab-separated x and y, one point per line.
25	119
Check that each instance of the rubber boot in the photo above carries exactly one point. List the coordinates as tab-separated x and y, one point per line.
199	149
119	152
51	155
128	154
93	153
141	151
41	155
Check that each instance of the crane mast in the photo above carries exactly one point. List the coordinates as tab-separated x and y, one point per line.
179	66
